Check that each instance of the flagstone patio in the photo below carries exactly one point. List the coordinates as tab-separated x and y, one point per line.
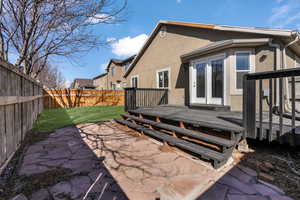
109	161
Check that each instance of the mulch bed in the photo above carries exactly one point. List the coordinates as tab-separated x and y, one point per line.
275	163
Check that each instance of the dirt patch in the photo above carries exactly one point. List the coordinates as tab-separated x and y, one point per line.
29	184
9	175
275	164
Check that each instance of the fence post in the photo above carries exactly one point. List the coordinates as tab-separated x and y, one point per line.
249	107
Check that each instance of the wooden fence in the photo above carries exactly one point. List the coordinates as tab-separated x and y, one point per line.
80	98
20	104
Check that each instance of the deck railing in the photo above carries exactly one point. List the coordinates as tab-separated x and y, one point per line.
274	118
144	97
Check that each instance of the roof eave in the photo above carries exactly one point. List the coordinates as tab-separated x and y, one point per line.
272	32
139	54
224	45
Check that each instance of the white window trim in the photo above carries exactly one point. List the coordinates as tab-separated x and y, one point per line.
135	76
237	91
169	77
207	60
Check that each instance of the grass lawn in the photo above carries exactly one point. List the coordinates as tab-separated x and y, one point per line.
52	119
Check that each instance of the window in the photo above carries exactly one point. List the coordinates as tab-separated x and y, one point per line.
113	71
163	78
134	81
242	67
118	86
113	86
127	66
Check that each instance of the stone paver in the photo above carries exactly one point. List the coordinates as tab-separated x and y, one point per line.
20	197
42	194
107	161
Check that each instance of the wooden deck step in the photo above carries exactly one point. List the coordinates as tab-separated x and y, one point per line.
218	158
190	133
195	122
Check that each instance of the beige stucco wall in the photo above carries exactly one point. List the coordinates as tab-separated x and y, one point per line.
117	78
165	52
100	83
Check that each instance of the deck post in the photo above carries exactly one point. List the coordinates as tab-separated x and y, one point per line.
134	99
249	107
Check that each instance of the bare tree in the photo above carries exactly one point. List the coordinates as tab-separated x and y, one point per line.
37	30
51	77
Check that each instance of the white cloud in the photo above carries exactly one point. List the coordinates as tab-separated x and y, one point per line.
291	19
111	39
101	18
128	46
103	67
286	14
178	1
279	13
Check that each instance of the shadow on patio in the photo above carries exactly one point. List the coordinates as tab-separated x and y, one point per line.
58	165
108	161
146	170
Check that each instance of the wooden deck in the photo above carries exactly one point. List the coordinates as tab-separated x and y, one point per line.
210	134
201	118
221	120
199	132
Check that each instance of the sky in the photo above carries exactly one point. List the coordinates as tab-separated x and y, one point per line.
126	38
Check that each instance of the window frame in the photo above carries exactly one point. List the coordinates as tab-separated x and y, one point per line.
169	78
131	82
113	86
113	71
239	91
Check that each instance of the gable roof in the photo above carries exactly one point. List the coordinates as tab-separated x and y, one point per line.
256	30
99	76
120	61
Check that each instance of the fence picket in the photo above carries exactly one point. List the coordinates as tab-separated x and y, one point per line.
16	116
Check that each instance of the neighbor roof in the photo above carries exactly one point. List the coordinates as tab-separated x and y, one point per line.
99	76
256	30
83	82
120	61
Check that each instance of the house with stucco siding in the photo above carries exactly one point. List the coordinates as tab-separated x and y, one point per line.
204	64
100	81
115	71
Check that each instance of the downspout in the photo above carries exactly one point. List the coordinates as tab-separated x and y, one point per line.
287	105
276	66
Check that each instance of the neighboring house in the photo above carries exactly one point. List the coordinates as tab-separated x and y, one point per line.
100	82
116	69
204	64
81	83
